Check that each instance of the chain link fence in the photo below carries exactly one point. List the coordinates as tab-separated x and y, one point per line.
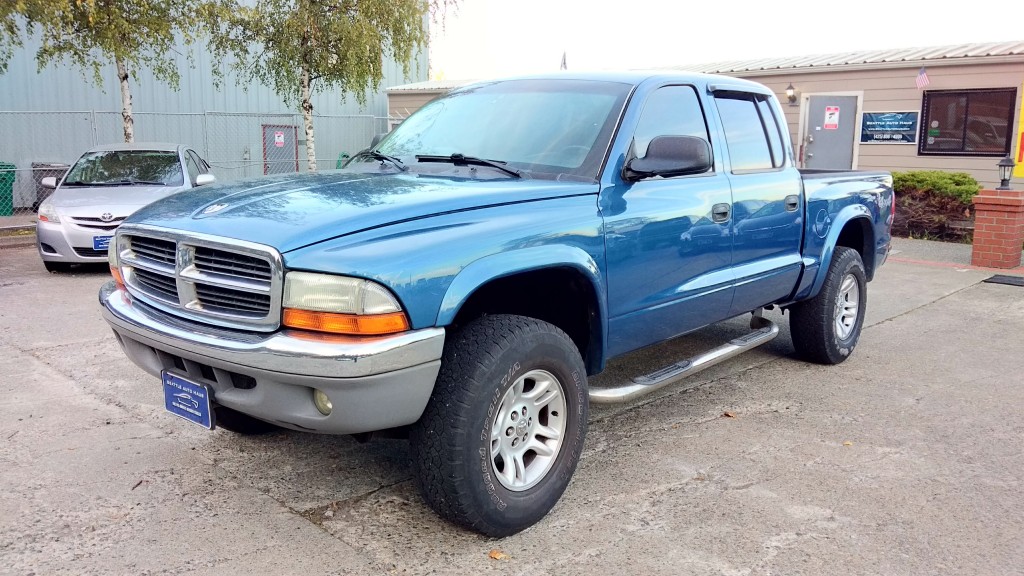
236	145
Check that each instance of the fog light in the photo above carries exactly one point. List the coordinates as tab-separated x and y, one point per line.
322	402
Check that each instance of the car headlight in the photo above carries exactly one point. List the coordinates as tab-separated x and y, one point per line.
341	305
47	212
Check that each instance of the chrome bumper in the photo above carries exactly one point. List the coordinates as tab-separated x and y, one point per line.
373	383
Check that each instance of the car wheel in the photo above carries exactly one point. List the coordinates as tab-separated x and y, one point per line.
235	421
504	428
56	267
826	328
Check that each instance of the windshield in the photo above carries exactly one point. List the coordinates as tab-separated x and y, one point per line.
546	128
126	167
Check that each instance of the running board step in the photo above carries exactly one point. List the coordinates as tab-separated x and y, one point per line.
763	331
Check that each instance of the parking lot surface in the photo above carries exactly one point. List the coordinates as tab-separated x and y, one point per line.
906	459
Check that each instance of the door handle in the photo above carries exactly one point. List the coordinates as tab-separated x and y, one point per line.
720	212
792	202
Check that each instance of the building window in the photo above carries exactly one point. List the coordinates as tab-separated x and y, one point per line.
967	122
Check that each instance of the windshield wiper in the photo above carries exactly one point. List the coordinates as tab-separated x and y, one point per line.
461	160
134	182
385	158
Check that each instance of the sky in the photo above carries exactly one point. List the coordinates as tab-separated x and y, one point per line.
492	38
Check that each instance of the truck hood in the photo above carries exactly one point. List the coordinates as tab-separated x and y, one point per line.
296	210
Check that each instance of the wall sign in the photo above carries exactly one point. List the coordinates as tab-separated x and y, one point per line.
831	117
279	139
889	128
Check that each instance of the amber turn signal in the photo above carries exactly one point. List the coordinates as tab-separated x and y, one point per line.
116	273
359	325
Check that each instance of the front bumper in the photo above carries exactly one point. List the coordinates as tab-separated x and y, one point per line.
57	243
373	383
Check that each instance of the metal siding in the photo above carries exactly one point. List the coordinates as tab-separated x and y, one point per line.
61	87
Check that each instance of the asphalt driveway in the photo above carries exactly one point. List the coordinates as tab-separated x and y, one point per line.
906	459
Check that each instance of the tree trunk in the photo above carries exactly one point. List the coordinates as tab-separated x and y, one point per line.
307	120
126	101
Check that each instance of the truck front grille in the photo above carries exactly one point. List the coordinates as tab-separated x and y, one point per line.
152	249
156	285
220	281
232	264
230	300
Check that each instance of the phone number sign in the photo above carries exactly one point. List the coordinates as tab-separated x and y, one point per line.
889	128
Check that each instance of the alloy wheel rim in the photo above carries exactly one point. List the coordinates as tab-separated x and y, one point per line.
527	430
847	306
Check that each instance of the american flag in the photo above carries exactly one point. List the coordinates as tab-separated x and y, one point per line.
922	79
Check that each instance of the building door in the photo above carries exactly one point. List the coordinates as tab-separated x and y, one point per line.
829	130
280	149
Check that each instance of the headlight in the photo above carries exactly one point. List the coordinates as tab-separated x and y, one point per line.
342	305
47	213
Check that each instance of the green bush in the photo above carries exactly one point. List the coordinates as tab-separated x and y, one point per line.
959	185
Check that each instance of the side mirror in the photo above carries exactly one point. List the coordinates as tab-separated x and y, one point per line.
204	179
49	182
376	139
670	156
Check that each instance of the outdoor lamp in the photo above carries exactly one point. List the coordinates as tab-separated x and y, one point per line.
791	94
1005	172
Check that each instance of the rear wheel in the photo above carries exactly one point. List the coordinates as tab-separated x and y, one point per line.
504	429
239	423
826	328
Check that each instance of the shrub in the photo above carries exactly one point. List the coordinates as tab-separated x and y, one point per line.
934	204
959	185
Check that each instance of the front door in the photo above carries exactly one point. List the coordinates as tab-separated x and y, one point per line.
829	129
668	246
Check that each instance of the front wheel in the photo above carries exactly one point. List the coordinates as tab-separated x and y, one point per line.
826	328
504	429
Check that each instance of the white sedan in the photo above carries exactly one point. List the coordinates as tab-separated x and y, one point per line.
103	188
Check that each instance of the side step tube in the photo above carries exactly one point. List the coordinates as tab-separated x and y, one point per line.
763	331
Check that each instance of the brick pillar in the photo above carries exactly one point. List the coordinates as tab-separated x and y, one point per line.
998	228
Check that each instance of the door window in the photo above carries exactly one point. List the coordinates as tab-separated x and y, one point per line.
669	111
751	132
192	166
204	168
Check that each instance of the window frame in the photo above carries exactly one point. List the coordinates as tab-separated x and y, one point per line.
925	121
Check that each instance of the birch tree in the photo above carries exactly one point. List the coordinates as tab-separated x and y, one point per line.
91	34
300	47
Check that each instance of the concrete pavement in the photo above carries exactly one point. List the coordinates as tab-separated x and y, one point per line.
903	460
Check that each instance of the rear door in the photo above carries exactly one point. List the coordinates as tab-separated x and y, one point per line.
767	200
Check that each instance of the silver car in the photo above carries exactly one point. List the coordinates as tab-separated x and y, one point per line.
103	188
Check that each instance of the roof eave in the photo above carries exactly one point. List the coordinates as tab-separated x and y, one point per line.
934	63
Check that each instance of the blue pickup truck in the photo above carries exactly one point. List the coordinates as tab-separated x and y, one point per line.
461	278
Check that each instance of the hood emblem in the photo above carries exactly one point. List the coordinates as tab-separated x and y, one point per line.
106	217
214	208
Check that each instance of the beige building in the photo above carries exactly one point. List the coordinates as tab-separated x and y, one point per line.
955	108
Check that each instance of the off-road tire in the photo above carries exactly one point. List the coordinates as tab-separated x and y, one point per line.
235	421
483	365
813	323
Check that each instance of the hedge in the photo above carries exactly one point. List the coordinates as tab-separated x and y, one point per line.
959	185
